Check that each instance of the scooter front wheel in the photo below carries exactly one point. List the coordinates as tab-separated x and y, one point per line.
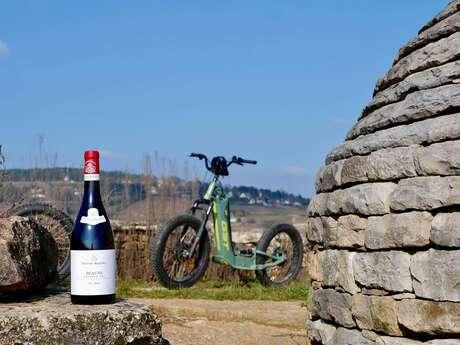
283	239
171	263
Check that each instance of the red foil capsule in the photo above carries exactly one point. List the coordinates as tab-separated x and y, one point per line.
91	162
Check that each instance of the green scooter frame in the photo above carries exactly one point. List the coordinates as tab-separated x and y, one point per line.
181	249
245	259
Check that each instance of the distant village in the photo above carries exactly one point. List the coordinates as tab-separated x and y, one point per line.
268	198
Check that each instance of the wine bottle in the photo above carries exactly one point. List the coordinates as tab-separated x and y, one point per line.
92	251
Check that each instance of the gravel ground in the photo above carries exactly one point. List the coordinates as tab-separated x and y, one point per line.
197	322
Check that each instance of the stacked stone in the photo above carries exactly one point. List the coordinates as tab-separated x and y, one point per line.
384	227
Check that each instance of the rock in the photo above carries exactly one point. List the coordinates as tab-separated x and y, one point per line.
436	275
313	265
403	230
423	80
336	267
52	319
345	336
402	296
433	54
439	159
416	106
450	9
440	30
446	229
316	285
333	306
374	292
365	199
368	199
329	177
322	230
321	332
376	313
28	256
314	231
430	318
353	170
425	132
350	231
444	342
369	334
392	164
346	232
324	204
382	165
396	341
383	270
403	341
426	193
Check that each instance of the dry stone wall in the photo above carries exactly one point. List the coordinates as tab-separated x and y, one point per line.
384	227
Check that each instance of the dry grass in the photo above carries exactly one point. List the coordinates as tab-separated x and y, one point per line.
217	290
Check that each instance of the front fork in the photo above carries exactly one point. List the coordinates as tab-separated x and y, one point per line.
202	227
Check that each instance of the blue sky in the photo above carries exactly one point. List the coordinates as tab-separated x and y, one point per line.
276	81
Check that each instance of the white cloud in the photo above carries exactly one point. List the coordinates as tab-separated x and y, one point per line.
4	50
294	170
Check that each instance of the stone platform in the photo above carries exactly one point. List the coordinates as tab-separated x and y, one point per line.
50	318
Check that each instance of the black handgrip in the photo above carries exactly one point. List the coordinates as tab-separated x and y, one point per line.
247	161
198	155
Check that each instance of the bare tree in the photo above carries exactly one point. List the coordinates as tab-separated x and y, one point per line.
148	185
54	160
195	188
187	190
126	191
173	185
2	165
41	142
108	192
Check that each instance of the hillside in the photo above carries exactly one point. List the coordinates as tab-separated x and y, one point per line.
126	193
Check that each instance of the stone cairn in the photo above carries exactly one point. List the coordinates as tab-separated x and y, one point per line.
384	227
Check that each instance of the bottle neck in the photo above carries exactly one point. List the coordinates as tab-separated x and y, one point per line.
92	194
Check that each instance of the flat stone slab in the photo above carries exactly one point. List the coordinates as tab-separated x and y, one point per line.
50	318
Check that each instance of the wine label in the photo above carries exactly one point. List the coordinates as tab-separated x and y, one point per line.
93	272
